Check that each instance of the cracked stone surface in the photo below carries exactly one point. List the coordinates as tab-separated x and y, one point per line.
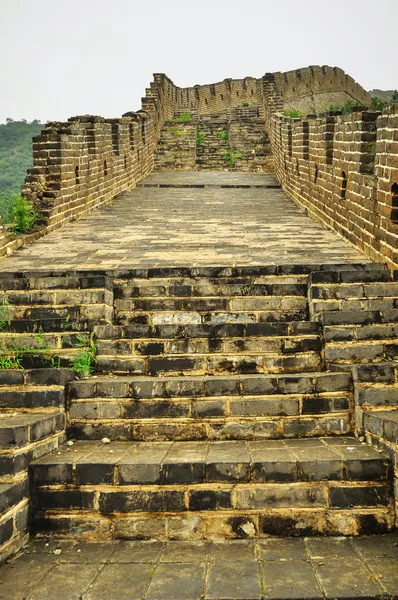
177	225
273	568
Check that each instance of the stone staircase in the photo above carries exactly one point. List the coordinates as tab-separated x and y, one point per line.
231	141
45	323
214	412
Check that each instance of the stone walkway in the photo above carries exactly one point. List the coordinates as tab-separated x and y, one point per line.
292	568
195	219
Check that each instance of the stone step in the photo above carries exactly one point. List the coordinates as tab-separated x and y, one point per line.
284	285
14	515
91	314
213	304
42	281
208	331
34	435
209	344
352	352
12	493
179	364
228	484
19	377
250	419
21	429
208	386
213	407
44	341
32	396
57	297
182	317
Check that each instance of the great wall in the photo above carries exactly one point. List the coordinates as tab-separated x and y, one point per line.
233	272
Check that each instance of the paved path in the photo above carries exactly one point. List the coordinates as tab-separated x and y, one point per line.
189	226
292	568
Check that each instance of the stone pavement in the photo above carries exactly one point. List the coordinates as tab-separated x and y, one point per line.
273	568
192	219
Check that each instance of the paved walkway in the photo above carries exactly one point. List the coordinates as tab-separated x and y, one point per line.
272	568
178	225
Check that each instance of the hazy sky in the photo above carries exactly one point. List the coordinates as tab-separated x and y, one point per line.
66	57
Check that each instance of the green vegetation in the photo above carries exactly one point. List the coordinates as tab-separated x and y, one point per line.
10	362
379	103
245	104
223	135
346	108
15	159
5	313
185	116
231	157
22	215
84	361
200	136
294	114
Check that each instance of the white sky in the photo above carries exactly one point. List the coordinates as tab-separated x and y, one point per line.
66	57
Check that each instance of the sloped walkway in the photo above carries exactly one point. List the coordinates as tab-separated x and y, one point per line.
189	219
272	569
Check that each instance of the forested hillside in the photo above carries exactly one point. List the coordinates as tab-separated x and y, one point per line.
15	159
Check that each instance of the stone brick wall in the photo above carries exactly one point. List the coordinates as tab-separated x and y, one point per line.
87	161
314	88
343	169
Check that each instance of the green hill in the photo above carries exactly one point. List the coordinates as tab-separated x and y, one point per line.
15	159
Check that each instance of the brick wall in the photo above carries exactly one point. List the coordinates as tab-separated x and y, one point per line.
343	169
87	161
314	88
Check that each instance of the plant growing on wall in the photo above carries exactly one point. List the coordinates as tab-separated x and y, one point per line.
85	359
200	136
294	114
231	157
23	216
223	135
185	116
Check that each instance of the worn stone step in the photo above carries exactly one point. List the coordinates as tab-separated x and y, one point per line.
12	493
213	304
180	364
209	386
14	515
343	333
213	428
215	524
41	281
240	488
20	377
259	406
32	396
213	317
42	341
57	297
207	330
351	352
357	316
173	463
208	345
283	285
52	324
90	313
21	429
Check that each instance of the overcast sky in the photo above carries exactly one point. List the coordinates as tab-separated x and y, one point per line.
66	57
